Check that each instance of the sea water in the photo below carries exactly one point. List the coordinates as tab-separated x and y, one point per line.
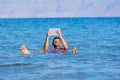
96	39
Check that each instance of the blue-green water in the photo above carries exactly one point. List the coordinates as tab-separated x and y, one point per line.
97	41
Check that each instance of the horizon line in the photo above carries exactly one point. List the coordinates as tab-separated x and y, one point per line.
57	17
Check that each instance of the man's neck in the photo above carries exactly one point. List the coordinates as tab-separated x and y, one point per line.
56	47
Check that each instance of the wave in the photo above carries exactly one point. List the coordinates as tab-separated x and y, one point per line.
16	64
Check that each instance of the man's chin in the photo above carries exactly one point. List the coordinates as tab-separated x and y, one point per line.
56	45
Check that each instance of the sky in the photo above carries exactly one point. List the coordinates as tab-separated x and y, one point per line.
59	8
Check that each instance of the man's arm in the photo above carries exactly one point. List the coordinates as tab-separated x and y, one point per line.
46	44
64	43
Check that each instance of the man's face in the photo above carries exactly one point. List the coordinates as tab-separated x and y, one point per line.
56	43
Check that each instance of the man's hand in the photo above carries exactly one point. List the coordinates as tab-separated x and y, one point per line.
59	32
49	32
74	50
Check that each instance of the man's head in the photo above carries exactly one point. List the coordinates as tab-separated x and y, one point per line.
56	42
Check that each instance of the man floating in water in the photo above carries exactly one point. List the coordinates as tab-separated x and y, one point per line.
56	43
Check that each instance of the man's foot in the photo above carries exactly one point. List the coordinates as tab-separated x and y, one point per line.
24	50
